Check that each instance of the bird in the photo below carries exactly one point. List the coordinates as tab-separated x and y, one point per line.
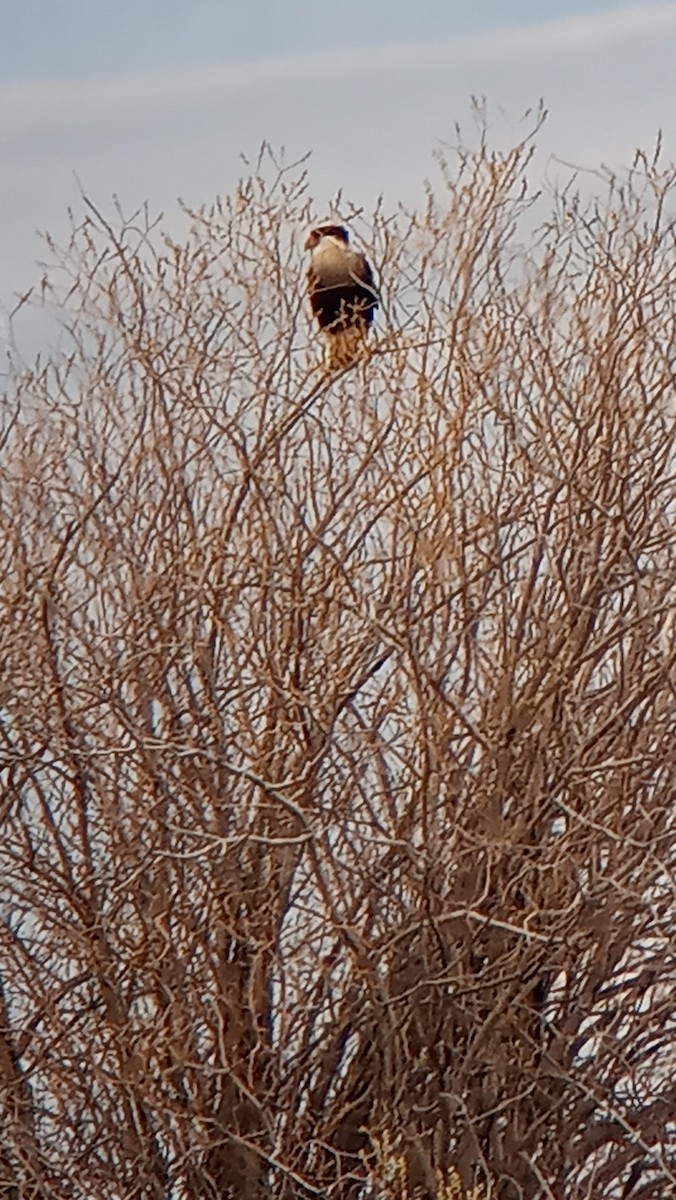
342	294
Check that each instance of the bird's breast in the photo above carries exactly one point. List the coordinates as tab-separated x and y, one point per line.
333	267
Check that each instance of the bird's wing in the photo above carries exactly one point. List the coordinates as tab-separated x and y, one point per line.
363	272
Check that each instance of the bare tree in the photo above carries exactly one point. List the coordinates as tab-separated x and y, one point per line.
337	717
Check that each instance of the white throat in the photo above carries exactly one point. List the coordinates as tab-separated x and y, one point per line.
329	245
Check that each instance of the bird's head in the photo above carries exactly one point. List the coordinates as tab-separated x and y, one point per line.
339	232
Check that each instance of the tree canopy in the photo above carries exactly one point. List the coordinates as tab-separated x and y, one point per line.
337	717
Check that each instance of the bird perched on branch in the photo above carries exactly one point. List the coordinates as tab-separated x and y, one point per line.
342	293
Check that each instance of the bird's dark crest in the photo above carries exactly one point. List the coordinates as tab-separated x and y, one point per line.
336	231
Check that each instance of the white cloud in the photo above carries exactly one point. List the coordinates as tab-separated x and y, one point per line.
42	106
587	30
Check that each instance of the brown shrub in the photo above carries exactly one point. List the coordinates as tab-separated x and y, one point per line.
338	721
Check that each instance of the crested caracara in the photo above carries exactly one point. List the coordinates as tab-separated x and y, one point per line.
342	293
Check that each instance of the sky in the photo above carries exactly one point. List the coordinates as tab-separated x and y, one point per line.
150	100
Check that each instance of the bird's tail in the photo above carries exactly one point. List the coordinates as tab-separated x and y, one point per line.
344	347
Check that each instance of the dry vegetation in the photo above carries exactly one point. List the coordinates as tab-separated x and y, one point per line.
337	718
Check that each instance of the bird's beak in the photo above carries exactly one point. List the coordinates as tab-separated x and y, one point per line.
309	241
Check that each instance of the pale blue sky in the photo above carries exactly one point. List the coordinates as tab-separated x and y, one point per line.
152	99
70	38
